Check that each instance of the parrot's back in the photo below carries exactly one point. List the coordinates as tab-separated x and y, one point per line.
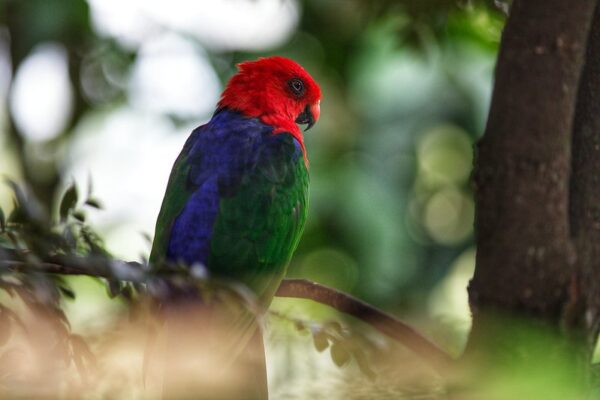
236	202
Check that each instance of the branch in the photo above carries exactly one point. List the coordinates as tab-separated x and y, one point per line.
116	269
290	288
378	319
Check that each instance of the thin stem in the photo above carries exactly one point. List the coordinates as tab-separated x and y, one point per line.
290	288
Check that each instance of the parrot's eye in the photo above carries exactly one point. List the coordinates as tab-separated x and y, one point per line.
297	86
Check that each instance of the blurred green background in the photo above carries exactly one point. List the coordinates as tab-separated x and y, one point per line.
108	91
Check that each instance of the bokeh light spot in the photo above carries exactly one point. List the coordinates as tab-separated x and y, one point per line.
331	267
449	300
218	24
445	156
449	216
172	76
41	98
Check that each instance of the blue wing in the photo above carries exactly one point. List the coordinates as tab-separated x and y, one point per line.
218	156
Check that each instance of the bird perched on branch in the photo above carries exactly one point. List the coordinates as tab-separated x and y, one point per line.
237	197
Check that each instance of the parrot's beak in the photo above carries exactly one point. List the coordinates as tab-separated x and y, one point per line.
310	115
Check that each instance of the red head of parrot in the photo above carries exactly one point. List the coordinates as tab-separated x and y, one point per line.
276	90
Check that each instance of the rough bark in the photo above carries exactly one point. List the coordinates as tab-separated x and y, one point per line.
585	192
525	260
526	265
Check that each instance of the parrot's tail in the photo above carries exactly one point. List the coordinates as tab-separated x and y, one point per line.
211	352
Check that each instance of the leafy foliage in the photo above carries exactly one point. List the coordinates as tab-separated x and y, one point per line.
37	251
344	344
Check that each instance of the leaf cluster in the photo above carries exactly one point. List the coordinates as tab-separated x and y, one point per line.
39	248
344	343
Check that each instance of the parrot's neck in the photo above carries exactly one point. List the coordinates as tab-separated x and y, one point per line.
280	124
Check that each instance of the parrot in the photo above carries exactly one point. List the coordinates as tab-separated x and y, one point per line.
237	197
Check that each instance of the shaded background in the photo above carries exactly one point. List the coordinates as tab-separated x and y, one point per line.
107	91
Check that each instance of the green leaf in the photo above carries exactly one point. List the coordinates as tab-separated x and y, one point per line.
363	364
114	288
300	326
339	354
17	216
320	341
18	192
79	216
68	202
67	292
335	326
94	203
23	210
93	241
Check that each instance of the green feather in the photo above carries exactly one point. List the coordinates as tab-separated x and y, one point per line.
258	229
175	198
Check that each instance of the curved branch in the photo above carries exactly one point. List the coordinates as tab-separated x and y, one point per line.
378	319
290	288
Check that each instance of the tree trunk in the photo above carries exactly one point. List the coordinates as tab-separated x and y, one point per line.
585	191
527	266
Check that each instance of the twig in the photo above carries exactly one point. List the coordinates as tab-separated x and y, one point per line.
291	288
50	268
